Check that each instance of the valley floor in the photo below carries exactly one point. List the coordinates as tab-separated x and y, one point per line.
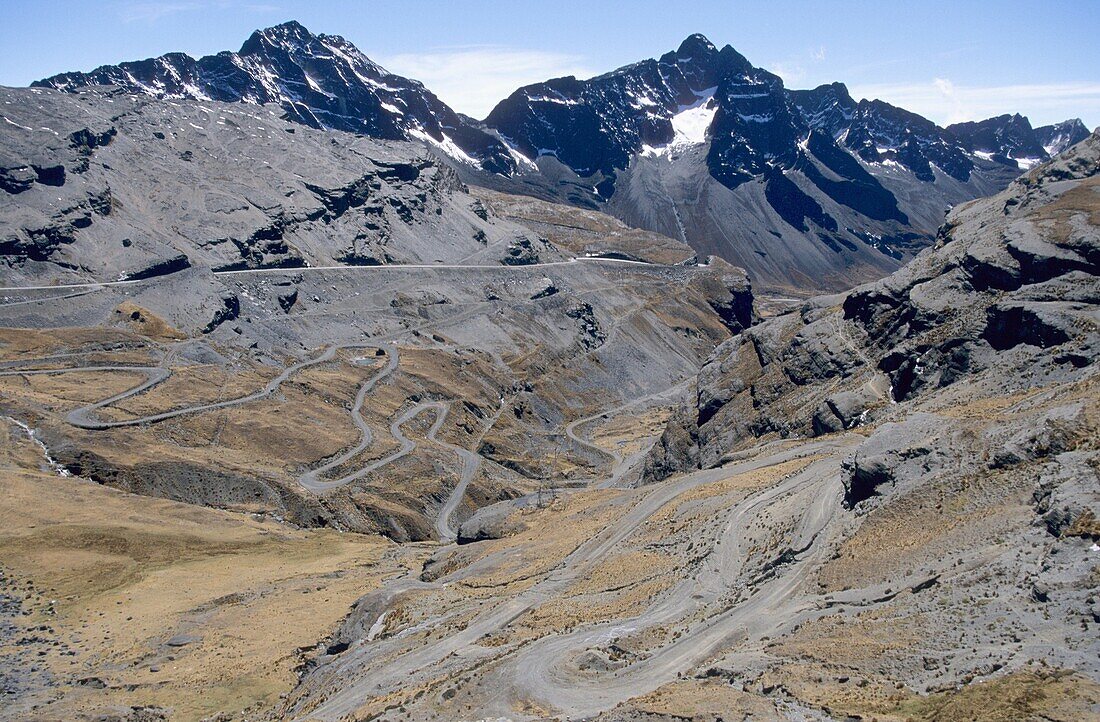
725	593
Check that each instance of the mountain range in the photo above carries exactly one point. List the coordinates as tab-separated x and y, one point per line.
805	189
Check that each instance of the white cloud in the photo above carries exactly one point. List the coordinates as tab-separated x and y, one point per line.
793	69
474	79
944	86
946	102
792	72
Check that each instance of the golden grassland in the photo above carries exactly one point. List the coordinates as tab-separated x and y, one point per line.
129	573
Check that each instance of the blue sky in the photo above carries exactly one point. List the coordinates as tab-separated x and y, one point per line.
950	61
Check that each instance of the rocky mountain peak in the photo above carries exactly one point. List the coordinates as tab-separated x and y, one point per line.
696	44
323	81
700	62
831	172
288	35
1060	136
837	92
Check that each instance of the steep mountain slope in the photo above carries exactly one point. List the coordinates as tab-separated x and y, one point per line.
879	132
968	382
805	189
597	125
586	231
320	80
104	185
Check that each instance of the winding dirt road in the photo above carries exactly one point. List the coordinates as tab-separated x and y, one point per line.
545	670
312	478
84	418
723	605
80	417
470	461
619	465
98	285
548	669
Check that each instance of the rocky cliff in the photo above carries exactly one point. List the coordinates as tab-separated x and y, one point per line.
1000	314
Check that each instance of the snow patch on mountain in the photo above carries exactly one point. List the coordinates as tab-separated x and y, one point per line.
558	99
689	125
447	146
521	160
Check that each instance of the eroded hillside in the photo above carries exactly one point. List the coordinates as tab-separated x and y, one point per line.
882	505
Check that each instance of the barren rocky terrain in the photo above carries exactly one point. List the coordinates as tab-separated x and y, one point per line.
297	425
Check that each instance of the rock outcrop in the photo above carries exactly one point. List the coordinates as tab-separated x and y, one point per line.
1005	303
129	188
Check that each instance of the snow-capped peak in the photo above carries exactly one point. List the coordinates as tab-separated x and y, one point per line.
319	80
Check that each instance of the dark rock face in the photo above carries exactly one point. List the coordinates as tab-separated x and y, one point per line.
520	253
877	131
736	311
17	179
1006	303
677	450
53	175
1042	324
175	264
288	299
1066	507
322	81
804	189
597	125
590	335
865	476
230	310
755	127
1060	136
844	410
1010	139
196	484
848	184
794	206
491	522
1006	138
594	126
